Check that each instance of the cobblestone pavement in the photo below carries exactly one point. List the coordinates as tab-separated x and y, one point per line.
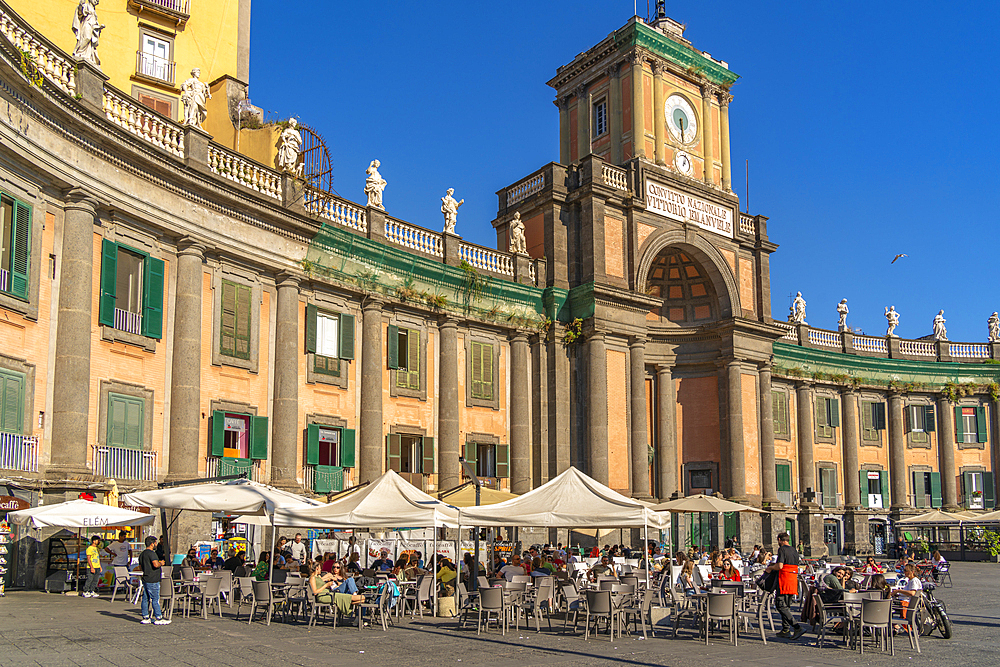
53	630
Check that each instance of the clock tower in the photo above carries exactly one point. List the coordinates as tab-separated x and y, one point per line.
646	92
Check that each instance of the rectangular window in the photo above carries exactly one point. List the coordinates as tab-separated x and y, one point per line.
783	477
329	446
15	247
154	58
920	422
490	461
328	440
486	460
131	290
970	424
125	421
872	420
330	337
11	401
827	416
408	370
410	454
779	413
236	320
828	487
482	371
236	436
926	489
700	479
600	118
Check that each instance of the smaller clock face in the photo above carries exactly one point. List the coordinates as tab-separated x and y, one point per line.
683	163
681	121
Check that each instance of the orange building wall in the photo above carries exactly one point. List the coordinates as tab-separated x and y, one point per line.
751	436
618	452
746	285
614	254
403	410
697	420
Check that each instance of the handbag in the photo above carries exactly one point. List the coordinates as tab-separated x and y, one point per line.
768	581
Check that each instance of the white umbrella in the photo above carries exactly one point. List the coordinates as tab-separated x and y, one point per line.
238	496
79	514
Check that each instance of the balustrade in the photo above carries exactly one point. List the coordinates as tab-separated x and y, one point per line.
125	463
486	259
917	348
240	170
18	452
615	177
413	237
338	211
144	123
46	60
525	188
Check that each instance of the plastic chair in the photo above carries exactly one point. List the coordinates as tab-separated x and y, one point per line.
123	579
419	594
261	598
244	593
491	604
944	573
467	602
209	593
315	607
827	614
762	611
167	592
877	615
721	608
379	608
599	606
639	613
536	604
681	606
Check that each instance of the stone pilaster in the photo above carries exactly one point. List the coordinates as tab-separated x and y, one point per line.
185	364
707	93
370	437
897	453
615	114
520	421
946	454
597	408
286	436
639	435
849	423
582	121
90	82
71	383
563	105
666	433
724	99
449	449
768	480
737	453
638	132
811	531
772	524
857	534
659	127
803	404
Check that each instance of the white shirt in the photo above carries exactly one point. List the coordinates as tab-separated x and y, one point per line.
298	550
913	584
120	550
510	571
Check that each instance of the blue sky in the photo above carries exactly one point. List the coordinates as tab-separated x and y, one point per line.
870	127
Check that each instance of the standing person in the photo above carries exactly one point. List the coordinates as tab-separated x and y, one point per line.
121	552
93	568
151	575
298	549
787	567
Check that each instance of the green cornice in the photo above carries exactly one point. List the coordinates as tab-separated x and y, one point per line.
638	34
810	363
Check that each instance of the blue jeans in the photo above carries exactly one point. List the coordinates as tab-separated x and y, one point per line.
151	594
347	587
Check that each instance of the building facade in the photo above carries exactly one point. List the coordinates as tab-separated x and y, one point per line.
175	309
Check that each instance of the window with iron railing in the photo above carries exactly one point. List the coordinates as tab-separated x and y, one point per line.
131	290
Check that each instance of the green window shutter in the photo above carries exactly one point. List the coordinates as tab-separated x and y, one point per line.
394	451
311	315
503	460
929	418
218	433
244	312
312	444
477	370
863	481
778	412
959	426
783	477
989	495
867	416
428	456
392	347
109	277
883	477
134	423
347	438
116	420
346	336
908	423
21	257
413	359
980	424
917	479
879	415
227	325
487	362
258	437
125	421
833	410
152	298
470	452
11	402
936	489
820	412
967	488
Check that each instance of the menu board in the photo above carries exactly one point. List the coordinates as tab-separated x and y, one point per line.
4	549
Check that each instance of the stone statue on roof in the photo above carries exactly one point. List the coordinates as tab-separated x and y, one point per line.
940	332
518	244
374	185
449	207
289	145
799	309
892	317
195	96
842	312
87	29
993	327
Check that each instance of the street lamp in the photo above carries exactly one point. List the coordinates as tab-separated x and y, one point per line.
469	472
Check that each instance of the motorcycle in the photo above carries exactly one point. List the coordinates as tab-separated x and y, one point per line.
933	614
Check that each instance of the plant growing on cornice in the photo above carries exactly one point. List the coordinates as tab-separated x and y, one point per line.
839	378
367	279
992	362
573	332
308	267
994	389
437	300
473	283
819	375
30	70
793	371
406	292
543	325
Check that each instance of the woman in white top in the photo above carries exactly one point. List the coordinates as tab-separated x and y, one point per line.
939	563
909	592
686	578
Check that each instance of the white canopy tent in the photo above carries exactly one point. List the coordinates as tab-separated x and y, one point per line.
238	496
79	514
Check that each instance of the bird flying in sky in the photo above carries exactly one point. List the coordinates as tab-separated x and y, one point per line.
902	254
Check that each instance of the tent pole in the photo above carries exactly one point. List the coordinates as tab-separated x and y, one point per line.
270	577
78	560
433	568
458	566
645	549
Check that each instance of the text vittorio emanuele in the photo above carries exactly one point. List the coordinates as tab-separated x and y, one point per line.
679	206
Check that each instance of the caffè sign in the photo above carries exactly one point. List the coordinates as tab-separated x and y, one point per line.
676	205
11	504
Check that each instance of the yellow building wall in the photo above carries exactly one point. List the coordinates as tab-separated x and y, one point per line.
406	411
618	451
478	419
208	40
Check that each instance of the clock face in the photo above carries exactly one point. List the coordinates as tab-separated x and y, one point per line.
683	163
681	121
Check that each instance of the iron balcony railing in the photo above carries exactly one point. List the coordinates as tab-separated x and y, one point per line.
18	452
154	67
125	463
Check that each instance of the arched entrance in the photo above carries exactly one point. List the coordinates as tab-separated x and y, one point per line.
689	296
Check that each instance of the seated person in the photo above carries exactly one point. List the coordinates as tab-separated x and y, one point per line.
878	583
939	564
686	578
910	592
399	569
412	570
383	563
508	572
354	564
235	560
191	560
735	557
729	572
537	569
328	560
263	569
340	582
836	583
601	569
214	560
871	567
446	575
325	589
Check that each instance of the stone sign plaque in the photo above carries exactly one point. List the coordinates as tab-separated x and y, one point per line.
676	205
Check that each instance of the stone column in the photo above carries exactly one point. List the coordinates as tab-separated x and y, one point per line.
185	368
286	437
737	453
582	122
897	453
371	436
71	384
803	404
849	422
639	440
638	132
707	93
597	408
520	421
724	99
946	454
563	104
659	152
666	433
768	480
615	113
449	448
